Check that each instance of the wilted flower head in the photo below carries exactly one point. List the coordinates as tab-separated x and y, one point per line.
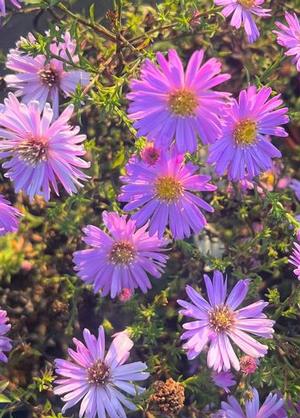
40	152
248	364
169	103
242	11
168	397
218	322
9	217
5	342
295	259
289	36
121	259
164	194
224	380
272	404
15	3
150	154
244	150
98	381
44	80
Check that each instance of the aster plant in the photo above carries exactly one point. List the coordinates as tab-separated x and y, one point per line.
44	80
9	217
288	36
5	342
165	194
97	380
272	406
218	322
41	152
182	103
244	149
122	259
242	12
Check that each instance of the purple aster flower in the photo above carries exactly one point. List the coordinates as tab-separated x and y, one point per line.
15	3
224	380
269	408
295	259
242	11
295	186
289	37
244	150
5	342
218	321
121	259
9	217
40	152
182	104
97	380
41	79
165	194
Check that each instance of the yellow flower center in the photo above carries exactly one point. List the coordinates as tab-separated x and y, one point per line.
122	252
221	318
246	3
168	189
268	177
245	132
183	103
248	395
98	373
33	150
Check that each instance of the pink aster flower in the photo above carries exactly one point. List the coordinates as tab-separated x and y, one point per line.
41	79
98	381
168	103
295	259
242	11
244	150
218	322
15	3
248	364
40	152
5	342
224	380
121	259
289	36
9	217
269	408
164	194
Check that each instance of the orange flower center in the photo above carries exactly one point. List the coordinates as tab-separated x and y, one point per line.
168	189
122	252
247	3
245	132
33	151
98	373
183	103
221	319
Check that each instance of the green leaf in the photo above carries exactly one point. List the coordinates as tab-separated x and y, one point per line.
4	399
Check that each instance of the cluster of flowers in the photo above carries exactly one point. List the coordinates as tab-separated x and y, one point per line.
43	153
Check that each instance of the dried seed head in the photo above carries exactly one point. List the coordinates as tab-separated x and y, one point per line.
168	397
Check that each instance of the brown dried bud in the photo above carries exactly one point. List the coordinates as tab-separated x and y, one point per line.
111	16
168	397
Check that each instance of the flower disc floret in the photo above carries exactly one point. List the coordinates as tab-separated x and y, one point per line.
245	132
183	103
